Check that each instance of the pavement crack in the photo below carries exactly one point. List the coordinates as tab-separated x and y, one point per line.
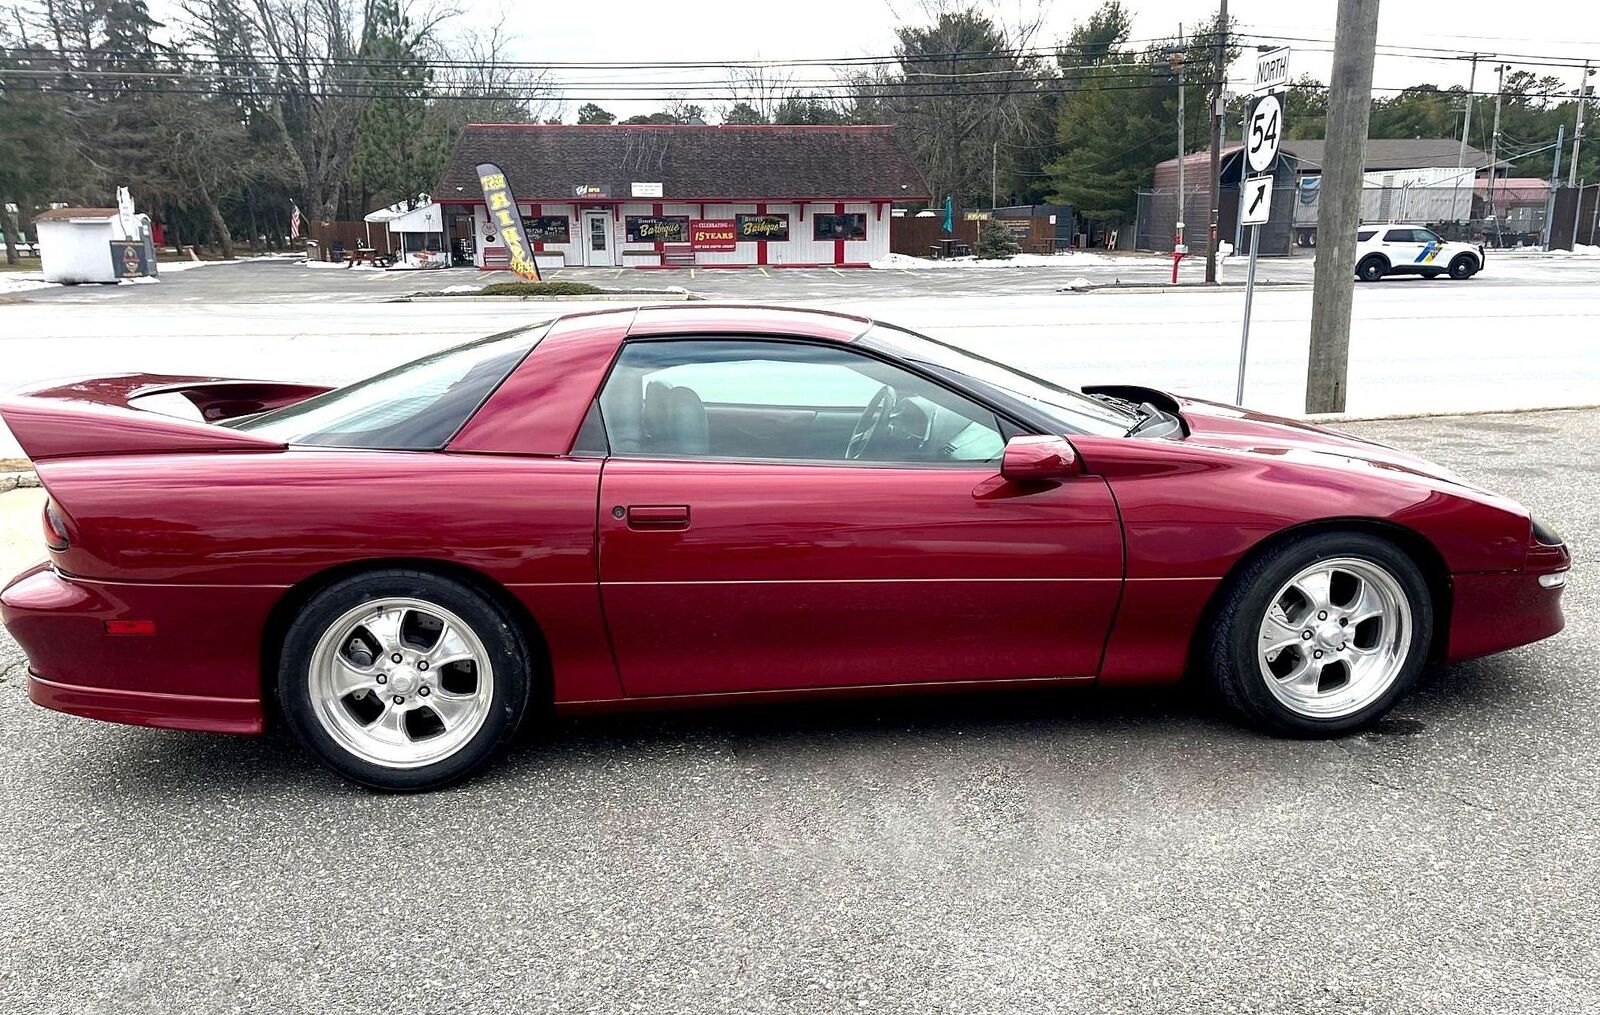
6	671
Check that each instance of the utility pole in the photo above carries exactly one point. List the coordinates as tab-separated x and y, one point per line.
1339	207
994	175
1577	135
1494	146
1461	153
1217	92
1178	248
1555	179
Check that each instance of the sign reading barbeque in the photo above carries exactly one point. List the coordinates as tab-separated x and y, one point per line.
503	214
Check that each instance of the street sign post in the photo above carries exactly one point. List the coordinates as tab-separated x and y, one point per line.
1263	135
1257	205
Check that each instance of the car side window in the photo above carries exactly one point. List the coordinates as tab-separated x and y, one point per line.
758	400
1399	236
1365	235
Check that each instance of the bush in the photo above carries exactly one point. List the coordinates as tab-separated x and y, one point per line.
539	289
995	242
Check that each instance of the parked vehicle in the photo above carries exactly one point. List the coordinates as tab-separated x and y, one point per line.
671	505
1412	250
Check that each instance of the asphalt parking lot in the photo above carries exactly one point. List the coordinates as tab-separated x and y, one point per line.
283	280
1064	852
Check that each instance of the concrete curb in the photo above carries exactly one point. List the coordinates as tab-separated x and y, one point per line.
1183	287
1343	417
18	480
648	295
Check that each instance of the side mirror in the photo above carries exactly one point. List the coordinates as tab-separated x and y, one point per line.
1036	457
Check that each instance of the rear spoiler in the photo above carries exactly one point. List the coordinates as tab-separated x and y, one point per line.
97	416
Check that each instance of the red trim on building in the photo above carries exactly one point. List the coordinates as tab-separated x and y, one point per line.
533	212
761	248
838	245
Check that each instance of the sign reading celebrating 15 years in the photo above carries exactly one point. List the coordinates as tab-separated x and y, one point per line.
713	234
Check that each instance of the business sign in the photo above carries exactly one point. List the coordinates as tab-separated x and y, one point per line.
647	190
656	228
1263	132
129	259
763	228
975	216
502	207
546	229
713	234
1272	70
590	190
1256	205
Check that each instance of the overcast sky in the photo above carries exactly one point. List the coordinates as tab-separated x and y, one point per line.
740	29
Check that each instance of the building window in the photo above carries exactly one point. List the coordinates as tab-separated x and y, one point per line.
763	228
547	229
658	228
839	227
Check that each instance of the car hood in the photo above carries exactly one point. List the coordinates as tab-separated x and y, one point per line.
1227	427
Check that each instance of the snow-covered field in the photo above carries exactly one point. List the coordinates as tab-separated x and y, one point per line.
1415	348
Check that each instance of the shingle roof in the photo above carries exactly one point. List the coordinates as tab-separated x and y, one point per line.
544	162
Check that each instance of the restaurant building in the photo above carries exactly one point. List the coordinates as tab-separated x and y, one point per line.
650	196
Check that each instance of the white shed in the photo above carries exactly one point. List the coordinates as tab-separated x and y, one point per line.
418	239
75	243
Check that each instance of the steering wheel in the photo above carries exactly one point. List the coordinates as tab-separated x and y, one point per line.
873	417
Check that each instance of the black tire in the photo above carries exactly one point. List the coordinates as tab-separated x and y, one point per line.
1431	272
1371	268
1464	266
495	628
1231	650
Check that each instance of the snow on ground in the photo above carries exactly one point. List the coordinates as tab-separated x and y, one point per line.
906	262
1413	348
22	281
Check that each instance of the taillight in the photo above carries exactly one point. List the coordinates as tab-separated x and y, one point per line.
55	527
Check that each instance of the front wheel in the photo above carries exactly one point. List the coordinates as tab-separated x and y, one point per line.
1463	267
403	680
1321	636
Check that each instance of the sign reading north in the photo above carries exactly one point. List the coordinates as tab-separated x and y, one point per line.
1264	132
502	208
1257	206
1272	70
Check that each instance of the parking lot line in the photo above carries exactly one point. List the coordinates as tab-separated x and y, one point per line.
763	271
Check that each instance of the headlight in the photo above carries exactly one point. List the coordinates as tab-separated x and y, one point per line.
1545	535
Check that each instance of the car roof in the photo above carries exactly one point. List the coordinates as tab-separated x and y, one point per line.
746	318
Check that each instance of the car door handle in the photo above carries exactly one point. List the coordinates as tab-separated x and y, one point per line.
658	516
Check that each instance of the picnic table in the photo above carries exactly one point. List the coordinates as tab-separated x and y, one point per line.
370	256
951	247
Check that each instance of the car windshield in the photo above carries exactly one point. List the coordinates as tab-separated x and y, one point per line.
1074	411
417	406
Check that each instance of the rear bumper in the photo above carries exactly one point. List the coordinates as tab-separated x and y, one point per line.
1495	612
198	669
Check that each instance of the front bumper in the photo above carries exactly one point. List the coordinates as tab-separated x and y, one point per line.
1492	612
200	670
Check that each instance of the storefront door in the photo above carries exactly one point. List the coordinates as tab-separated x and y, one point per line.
597	239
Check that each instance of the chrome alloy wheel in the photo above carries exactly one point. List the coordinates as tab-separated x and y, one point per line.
1335	637
401	683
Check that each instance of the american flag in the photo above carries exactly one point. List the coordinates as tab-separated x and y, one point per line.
294	222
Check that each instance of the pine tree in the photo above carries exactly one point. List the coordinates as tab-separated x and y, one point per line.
995	242
396	157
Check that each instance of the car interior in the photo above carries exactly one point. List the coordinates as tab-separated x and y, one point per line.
744	403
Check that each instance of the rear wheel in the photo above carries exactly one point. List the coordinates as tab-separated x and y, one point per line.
1464	266
1323	635
403	680
1371	269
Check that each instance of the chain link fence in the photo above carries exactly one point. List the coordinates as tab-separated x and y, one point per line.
1511	213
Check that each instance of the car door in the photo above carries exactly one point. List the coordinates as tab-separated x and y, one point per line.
750	540
1403	247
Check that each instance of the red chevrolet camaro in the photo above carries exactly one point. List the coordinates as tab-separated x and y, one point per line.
704	503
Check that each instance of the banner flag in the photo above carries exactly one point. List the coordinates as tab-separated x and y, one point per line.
504	217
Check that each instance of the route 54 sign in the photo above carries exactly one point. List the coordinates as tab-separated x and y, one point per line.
1263	132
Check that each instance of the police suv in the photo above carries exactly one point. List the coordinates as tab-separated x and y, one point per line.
1394	249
